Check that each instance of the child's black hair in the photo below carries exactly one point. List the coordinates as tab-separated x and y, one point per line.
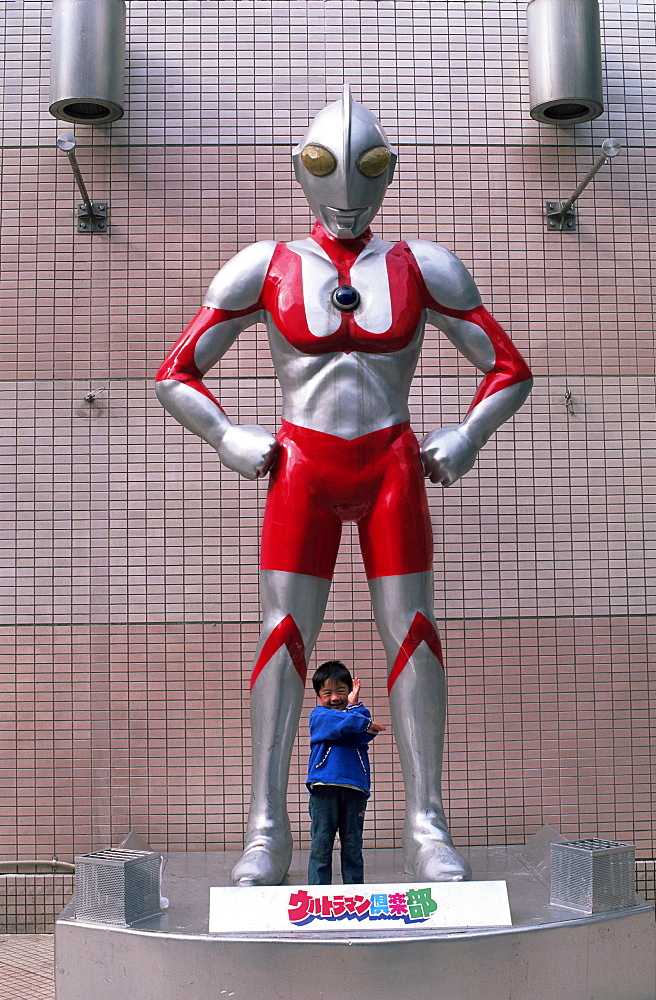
332	670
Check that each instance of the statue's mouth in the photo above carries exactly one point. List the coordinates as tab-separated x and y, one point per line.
346	218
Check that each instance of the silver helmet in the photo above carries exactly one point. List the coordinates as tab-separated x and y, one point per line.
344	163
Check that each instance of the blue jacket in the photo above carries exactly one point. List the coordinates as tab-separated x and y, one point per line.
338	747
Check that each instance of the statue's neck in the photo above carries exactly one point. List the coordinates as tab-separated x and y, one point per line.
344	251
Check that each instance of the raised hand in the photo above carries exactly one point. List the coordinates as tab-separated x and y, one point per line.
354	694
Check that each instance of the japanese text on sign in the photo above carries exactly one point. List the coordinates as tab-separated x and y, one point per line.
412	906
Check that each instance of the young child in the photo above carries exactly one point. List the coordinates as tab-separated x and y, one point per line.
338	773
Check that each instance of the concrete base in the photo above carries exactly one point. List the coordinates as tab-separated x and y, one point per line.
549	952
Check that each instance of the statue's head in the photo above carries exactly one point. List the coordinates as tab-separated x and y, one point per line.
344	163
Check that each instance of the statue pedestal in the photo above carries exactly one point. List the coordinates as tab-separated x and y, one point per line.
549	952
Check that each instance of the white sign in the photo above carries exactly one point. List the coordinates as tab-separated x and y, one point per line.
358	907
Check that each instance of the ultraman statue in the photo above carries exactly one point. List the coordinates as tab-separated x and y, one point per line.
345	313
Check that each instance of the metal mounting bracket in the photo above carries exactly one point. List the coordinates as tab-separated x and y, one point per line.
97	222
558	221
561	214
92	217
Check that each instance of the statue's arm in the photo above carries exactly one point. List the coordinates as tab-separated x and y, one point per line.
454	306
231	305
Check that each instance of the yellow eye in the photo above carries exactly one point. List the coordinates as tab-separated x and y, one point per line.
374	162
318	160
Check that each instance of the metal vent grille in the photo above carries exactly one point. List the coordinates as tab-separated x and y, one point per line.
594	876
117	886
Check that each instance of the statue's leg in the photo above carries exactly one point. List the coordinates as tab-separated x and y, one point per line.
293	605
397	547
300	541
417	693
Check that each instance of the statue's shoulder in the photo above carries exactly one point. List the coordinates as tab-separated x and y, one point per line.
447	279
238	284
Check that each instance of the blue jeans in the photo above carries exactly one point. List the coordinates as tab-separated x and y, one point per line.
335	808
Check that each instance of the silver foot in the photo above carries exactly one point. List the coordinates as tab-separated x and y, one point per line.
266	858
433	858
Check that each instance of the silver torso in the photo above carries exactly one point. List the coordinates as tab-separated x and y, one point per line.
352	394
347	395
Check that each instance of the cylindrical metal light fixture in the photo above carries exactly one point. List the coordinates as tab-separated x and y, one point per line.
87	63
564	61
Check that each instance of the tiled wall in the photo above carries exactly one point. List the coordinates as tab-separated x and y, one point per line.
30	904
129	581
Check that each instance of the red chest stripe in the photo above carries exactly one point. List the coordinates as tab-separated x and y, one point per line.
283	298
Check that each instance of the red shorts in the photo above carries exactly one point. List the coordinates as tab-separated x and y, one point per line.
320	481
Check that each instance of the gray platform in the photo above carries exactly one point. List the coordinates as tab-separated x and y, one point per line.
550	953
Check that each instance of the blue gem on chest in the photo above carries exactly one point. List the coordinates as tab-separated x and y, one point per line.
345	298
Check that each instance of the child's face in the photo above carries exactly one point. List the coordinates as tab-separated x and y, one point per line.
334	695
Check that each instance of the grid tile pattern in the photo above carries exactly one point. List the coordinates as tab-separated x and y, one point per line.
27	967
30	904
646	879
128	604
